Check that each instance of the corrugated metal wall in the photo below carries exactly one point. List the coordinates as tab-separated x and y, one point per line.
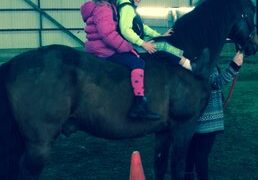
14	20
20	23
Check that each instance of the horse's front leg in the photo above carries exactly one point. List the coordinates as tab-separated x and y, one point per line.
182	133
162	145
33	160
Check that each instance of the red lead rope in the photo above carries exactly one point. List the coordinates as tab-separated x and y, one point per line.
230	93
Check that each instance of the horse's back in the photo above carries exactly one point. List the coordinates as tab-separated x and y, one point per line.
57	82
53	83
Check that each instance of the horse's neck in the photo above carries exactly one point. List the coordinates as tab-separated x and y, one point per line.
206	26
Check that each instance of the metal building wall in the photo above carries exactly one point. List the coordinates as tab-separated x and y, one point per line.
70	19
21	25
165	3
17	20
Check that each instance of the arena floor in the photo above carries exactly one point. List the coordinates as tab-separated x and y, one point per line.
234	157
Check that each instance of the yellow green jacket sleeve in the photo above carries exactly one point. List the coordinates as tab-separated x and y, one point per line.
148	31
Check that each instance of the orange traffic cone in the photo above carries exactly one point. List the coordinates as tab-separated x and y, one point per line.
136	169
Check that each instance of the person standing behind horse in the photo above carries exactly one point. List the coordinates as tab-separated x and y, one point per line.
105	42
210	123
133	29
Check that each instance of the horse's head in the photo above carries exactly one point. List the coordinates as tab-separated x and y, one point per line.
243	31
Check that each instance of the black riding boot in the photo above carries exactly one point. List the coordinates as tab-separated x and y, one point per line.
139	109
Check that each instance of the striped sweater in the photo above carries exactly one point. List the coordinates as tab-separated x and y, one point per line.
212	120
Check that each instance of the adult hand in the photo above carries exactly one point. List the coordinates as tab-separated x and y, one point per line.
238	58
149	47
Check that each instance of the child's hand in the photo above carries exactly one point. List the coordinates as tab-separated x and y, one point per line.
149	47
135	53
238	58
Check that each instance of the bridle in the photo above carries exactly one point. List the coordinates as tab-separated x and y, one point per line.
252	32
239	47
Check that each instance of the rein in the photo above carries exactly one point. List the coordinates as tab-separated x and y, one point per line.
240	47
232	85
230	92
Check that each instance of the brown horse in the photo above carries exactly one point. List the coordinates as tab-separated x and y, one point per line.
57	89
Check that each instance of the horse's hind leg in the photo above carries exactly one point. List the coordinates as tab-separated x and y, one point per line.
162	145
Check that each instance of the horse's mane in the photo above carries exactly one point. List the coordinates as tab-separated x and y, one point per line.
207	25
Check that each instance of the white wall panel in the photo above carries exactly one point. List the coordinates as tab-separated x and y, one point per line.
57	37
14	4
164	3
69	19
18	19
31	20
61	3
18	40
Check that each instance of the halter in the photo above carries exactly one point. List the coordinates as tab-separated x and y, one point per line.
251	35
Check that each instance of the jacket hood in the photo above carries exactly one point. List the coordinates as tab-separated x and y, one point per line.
87	10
